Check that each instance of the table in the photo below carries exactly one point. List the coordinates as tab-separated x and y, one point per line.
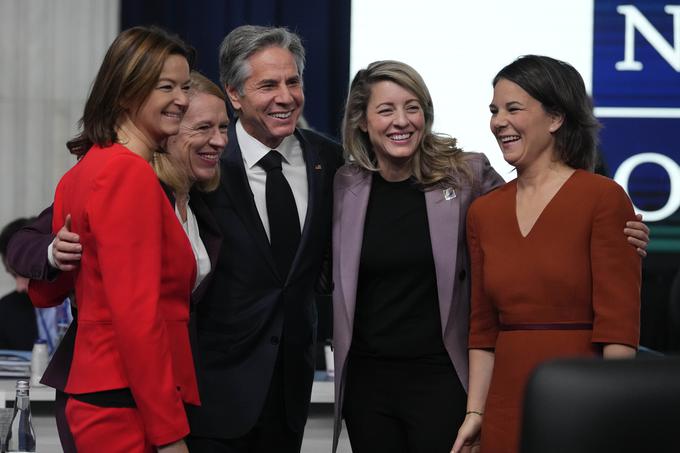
322	390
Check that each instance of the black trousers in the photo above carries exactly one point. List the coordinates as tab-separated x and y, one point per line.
65	435
402	406
271	432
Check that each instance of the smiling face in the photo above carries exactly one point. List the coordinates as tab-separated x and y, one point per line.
159	116
272	98
522	127
394	123
202	137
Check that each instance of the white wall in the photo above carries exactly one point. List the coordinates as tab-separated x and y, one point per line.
50	51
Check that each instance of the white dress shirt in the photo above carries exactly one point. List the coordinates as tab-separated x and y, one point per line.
292	166
197	246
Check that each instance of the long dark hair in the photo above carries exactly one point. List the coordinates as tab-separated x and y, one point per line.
127	76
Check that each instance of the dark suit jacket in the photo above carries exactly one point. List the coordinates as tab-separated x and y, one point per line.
27	248
250	312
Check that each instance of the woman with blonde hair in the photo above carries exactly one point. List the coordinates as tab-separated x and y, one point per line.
190	167
399	266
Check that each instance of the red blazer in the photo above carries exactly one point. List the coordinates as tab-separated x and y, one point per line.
133	288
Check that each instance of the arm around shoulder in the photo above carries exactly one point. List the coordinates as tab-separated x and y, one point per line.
485	177
27	249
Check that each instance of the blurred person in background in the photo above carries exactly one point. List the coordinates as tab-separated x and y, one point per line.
18	328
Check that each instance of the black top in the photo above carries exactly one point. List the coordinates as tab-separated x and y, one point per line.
18	329
397	309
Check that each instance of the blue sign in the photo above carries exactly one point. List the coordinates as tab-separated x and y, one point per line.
636	92
636	54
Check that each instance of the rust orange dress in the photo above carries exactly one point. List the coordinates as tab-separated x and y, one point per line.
569	286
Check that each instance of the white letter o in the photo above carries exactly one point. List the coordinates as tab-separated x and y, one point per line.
626	168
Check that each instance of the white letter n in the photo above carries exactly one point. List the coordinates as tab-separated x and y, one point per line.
635	20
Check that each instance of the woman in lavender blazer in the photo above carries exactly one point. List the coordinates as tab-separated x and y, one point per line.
400	267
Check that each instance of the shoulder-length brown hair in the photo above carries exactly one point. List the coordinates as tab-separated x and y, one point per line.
128	74
437	162
171	172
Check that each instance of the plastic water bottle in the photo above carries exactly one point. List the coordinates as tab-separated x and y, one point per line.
39	359
64	318
21	436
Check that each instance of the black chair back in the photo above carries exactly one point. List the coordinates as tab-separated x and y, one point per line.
599	406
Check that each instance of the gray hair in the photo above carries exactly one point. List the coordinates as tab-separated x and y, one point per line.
246	40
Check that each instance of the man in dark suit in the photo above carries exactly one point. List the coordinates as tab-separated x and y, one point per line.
256	325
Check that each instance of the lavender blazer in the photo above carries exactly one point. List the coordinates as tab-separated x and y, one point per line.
446	211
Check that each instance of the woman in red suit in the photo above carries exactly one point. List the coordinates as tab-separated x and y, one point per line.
132	369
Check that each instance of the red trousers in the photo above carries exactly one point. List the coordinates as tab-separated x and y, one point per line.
106	429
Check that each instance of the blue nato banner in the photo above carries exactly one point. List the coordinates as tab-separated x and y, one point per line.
636	92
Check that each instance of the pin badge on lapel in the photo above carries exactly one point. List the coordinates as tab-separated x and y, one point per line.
449	194
317	167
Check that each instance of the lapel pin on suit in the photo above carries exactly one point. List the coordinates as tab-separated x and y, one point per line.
317	167
449	193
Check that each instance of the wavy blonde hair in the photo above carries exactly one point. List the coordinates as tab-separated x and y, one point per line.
437	162
173	173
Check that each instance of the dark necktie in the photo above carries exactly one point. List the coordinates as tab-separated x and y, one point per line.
284	223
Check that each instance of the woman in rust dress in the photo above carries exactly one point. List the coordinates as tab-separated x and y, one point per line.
551	274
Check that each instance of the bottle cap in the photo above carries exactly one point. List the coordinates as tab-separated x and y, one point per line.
23	384
40	341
